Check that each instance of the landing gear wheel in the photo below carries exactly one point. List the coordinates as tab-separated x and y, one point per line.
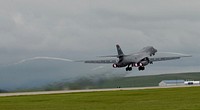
128	68
141	68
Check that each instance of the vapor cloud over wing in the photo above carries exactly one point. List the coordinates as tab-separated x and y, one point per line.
42	58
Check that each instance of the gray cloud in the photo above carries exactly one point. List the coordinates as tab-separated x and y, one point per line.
68	25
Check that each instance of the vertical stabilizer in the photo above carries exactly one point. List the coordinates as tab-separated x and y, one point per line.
119	51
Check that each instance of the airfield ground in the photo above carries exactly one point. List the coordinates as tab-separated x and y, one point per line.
182	98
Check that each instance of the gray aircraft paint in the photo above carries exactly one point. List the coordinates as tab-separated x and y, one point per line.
139	59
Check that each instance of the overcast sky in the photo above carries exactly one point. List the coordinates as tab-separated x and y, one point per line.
55	27
78	29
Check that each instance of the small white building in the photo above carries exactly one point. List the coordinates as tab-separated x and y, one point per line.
192	82
178	83
172	83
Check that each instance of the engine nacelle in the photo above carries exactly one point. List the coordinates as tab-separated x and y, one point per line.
135	64
143	62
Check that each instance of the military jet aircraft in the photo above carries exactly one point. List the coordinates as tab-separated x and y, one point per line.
139	59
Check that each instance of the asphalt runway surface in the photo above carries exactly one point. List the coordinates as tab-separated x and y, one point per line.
87	90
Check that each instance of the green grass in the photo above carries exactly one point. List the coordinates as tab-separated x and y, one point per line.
152	99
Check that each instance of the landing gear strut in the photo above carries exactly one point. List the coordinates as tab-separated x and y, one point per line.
141	68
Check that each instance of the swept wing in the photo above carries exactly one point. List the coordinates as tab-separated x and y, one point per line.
107	61
153	59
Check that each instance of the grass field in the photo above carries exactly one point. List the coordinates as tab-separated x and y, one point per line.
149	99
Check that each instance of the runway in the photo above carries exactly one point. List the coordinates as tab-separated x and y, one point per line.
88	90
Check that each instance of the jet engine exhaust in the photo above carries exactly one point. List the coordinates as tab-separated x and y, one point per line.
115	65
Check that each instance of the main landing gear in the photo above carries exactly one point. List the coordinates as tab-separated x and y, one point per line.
141	68
128	68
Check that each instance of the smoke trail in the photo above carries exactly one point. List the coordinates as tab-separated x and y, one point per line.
45	58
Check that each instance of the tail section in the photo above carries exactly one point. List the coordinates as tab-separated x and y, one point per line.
119	50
